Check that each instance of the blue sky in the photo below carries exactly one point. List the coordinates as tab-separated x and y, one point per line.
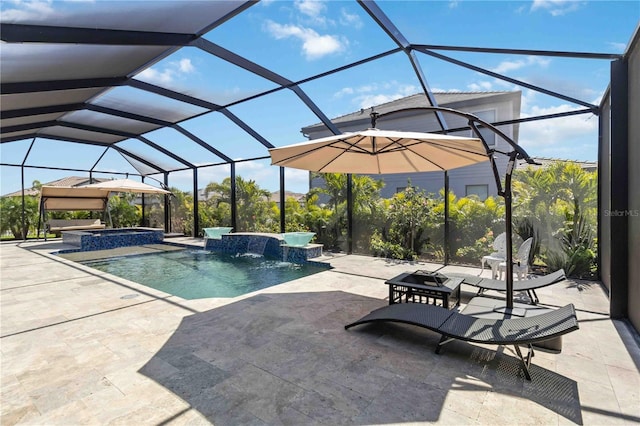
304	38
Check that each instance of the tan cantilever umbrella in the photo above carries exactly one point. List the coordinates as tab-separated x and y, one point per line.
375	151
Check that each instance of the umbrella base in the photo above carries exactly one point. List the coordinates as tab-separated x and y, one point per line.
514	312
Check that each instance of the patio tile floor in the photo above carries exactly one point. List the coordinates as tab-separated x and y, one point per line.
80	346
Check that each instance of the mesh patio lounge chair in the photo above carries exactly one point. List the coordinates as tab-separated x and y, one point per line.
530	285
458	326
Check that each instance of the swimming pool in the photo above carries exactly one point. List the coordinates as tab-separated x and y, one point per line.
196	274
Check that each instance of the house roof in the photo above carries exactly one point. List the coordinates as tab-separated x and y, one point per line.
68	181
275	196
546	162
418	100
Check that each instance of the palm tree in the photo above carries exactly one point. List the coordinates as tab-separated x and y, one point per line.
254	210
562	200
536	192
366	208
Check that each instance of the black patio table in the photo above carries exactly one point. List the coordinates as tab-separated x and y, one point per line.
425	287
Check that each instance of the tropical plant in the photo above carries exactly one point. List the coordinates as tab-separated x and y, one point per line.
366	207
296	215
368	214
123	211
385	248
316	218
470	220
11	215
552	204
575	249
408	214
255	212
181	211
335	190
481	247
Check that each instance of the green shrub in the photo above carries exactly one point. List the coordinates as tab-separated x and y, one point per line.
575	249
388	249
481	247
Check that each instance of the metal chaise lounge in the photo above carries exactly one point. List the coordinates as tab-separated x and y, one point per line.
458	326
529	285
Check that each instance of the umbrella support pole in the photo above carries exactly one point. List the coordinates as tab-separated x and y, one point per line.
509	228
349	213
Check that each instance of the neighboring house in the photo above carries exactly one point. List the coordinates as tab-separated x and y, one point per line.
589	166
300	198
274	196
65	181
203	195
476	179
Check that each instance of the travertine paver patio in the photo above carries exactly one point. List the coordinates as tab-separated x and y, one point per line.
82	347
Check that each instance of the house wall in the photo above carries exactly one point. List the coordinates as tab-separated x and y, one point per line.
634	182
502	108
620	266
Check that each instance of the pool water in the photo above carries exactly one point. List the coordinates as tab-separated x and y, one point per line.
196	274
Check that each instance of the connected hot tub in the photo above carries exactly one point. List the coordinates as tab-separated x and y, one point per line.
103	239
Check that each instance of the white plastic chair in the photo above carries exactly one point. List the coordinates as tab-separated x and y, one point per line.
499	255
520	262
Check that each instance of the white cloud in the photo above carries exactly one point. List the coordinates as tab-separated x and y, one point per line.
167	73
345	91
507	66
268	177
453	4
367	101
313	12
296	180
308	21
183	179
185	65
27	10
556	7
481	86
310	7
314	45
152	75
375	94
572	137
618	47
350	19
488	86
317	46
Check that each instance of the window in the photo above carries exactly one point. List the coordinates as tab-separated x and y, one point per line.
488	134
482	191
400	189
